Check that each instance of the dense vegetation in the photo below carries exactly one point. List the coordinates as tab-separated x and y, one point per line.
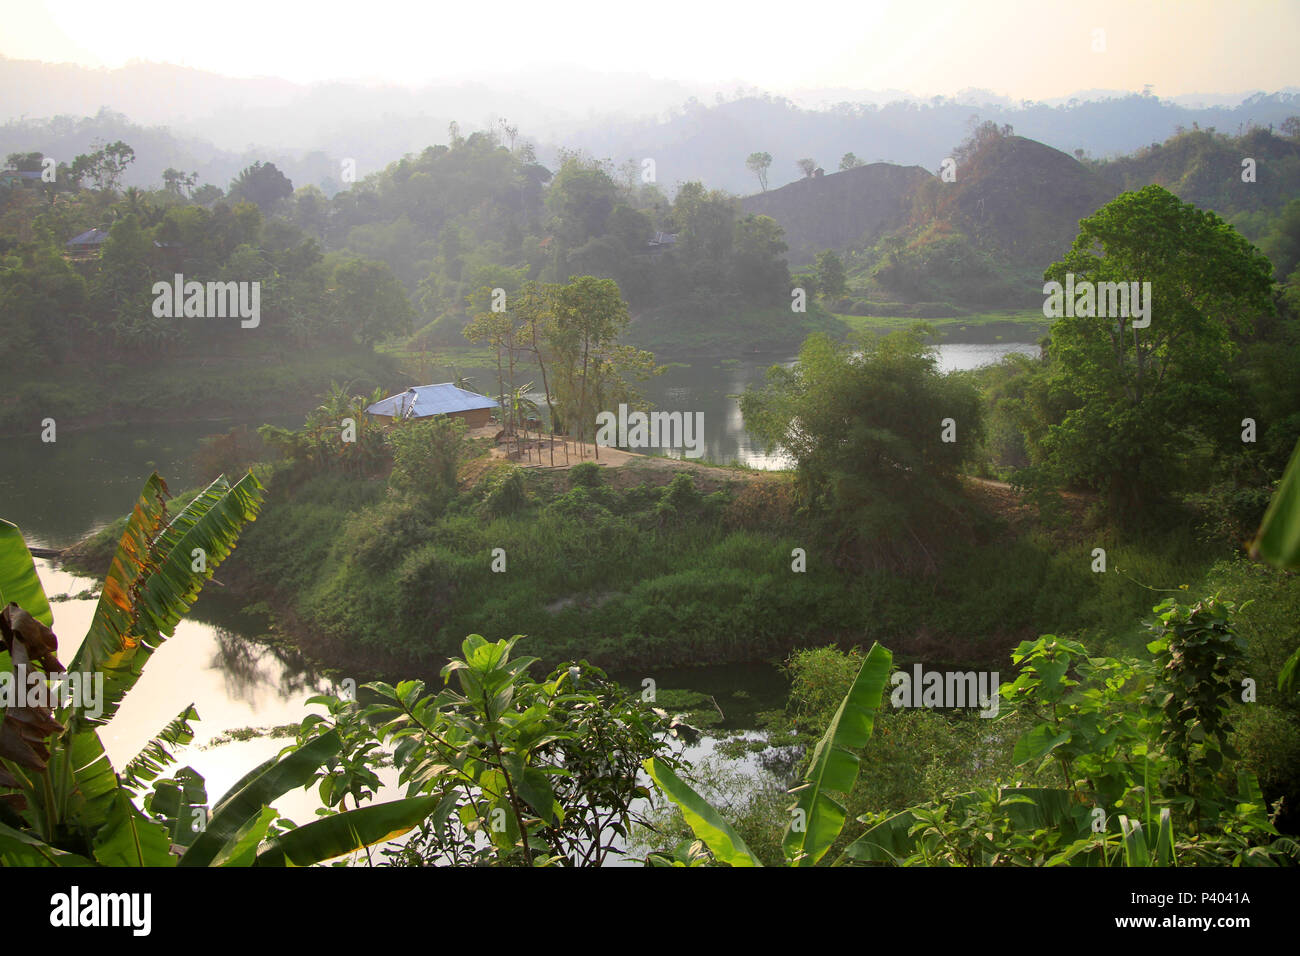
1140	456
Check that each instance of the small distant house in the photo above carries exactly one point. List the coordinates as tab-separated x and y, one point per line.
661	241
427	401
87	245
169	256
20	177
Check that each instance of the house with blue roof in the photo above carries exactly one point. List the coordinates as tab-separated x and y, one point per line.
426	401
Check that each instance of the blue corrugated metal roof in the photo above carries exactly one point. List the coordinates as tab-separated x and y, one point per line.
425	400
91	237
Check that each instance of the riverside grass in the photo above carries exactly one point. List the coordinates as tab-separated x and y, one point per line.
651	576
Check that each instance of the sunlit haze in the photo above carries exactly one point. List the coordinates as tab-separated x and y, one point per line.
1025	51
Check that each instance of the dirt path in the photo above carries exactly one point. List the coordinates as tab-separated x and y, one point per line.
627	468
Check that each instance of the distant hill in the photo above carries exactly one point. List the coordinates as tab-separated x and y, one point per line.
223	123
1013	197
1021	199
839	209
1205	167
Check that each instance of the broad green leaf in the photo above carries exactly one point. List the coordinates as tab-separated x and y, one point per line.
1038	743
891	840
129	838
341	833
818	817
534	786
152	582
20	848
1278	540
182	804
242	849
81	758
704	821
297	769
19	582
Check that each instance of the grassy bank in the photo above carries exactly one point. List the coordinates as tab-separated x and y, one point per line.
1009	325
673	564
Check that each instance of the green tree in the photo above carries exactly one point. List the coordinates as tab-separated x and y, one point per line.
831	278
758	265
261	183
877	434
177	182
849	161
590	314
104	167
1139	398
758	164
371	301
1282	241
580	199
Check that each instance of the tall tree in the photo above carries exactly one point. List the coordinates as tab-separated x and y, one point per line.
261	183
1138	396
758	164
831	278
589	316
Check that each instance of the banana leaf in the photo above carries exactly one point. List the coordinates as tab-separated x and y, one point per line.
257	792
20	848
19	583
817	816
154	757
347	832
1278	540
129	838
704	821
180	803
152	582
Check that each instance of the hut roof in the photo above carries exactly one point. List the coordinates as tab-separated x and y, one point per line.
423	401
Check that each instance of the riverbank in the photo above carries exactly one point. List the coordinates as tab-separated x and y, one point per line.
657	562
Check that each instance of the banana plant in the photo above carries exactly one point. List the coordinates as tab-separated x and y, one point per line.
62	803
1278	542
817	817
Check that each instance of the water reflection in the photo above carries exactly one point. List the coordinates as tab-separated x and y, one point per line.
246	668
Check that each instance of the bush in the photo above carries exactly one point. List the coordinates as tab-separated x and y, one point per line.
426	455
578	503
586	474
505	492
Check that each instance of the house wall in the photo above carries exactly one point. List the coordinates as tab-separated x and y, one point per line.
475	417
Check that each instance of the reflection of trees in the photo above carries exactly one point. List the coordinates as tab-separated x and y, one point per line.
246	666
781	762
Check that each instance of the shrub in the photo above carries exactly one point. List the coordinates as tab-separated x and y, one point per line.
505	492
586	474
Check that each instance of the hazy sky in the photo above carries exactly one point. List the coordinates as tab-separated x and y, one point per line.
1027	49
